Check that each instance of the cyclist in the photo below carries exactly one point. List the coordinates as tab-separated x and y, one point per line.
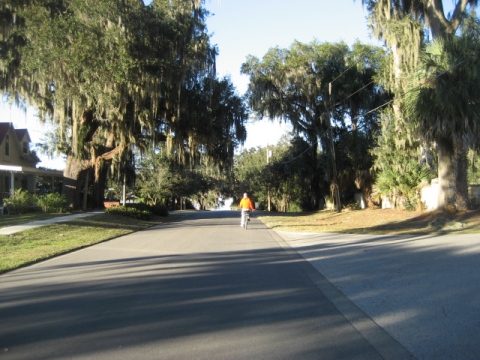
246	205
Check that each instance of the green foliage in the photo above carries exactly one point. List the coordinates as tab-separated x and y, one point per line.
21	202
443	104
288	176
473	167
442	100
248	173
293	175
153	172
53	203
160	178
113	74
212	124
403	183
326	91
399	173
130	212
157	209
295	208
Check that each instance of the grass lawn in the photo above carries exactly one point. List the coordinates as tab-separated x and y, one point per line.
44	242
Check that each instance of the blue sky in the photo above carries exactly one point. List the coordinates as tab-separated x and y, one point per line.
240	28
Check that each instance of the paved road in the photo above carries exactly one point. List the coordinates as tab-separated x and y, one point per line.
198	288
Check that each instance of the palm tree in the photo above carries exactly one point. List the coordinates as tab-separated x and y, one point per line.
444	104
403	25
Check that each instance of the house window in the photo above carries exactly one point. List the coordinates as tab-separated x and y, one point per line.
7	145
25	147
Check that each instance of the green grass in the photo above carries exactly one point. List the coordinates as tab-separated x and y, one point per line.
30	246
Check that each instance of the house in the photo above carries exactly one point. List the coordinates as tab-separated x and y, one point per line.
18	163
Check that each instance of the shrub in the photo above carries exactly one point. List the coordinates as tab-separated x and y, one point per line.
131	212
157	210
294	207
21	202
138	206
160	210
53	203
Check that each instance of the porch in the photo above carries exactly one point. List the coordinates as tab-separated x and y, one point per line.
22	177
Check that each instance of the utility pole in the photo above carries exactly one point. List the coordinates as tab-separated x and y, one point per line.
124	189
336	191
269	155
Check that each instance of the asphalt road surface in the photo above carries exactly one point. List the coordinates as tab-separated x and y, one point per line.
423	290
197	288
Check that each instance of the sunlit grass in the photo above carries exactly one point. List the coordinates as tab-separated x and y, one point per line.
371	221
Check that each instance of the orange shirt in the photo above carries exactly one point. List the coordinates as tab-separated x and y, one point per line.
246	203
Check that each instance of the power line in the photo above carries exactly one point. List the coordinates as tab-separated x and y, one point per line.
410	90
295	158
349	96
350	67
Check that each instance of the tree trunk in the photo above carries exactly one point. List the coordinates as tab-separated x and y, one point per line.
85	192
446	174
461	179
336	190
315	180
99	187
71	175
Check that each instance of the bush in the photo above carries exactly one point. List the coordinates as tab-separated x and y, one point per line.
138	206
130	212
160	210
53	203
21	202
294	207
157	210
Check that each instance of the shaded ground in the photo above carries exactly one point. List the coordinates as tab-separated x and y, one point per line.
375	221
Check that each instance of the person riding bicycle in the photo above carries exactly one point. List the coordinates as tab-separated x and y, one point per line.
246	204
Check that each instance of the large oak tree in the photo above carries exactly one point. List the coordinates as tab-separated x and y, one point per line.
324	90
110	73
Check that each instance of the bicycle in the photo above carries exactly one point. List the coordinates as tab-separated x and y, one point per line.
246	218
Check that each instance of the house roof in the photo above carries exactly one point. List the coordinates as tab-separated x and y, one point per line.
21	133
4	127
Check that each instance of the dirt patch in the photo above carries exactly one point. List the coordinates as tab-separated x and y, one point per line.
375	221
